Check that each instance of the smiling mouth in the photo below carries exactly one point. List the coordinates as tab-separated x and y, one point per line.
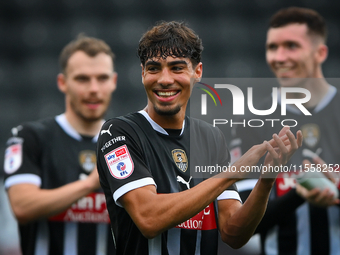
166	94
282	70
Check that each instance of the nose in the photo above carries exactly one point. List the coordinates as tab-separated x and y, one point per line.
280	55
94	85
165	77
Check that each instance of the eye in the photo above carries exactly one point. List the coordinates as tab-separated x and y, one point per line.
272	47
152	68
82	78
177	68
103	78
292	45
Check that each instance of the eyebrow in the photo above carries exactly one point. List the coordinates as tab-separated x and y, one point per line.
284	42
177	62
172	63
81	76
151	62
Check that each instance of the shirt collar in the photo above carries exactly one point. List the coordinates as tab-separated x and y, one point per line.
157	127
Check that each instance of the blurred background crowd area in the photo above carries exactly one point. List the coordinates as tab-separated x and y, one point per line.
33	32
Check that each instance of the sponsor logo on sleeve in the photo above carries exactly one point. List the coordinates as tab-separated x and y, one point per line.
13	157
119	162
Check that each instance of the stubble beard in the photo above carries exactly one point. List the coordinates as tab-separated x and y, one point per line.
84	117
169	112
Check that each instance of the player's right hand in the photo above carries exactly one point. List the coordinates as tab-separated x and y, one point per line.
93	179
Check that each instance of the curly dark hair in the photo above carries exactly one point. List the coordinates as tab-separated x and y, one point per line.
173	39
314	21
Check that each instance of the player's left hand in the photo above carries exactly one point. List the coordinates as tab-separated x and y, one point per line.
280	149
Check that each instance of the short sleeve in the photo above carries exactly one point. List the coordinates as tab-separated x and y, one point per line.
22	157
120	159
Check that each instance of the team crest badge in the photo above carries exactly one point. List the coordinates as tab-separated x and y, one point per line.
311	134
13	156
87	160
119	162
180	159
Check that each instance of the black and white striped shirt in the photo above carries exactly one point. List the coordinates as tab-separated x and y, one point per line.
50	154
139	152
291	225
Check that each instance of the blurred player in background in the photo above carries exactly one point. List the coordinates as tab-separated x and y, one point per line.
155	203
50	165
297	220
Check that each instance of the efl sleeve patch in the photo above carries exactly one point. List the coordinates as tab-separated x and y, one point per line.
13	158
119	162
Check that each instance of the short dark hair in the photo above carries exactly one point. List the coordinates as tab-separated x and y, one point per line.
90	45
172	39
314	21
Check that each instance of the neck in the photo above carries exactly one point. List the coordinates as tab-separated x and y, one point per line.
167	121
318	87
83	127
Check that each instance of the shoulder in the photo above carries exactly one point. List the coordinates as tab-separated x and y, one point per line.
122	128
205	133
37	127
336	95
197	124
121	123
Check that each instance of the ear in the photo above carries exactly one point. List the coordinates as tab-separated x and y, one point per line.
114	81
321	53
198	71
142	72
61	81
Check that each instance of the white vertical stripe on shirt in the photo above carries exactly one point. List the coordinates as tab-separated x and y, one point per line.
303	230
174	241
42	240
198	242
71	238
155	245
101	239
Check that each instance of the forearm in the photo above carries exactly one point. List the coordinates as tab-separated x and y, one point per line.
29	202
155	213
241	225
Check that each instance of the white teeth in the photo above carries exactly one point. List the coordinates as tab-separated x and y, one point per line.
282	70
166	94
